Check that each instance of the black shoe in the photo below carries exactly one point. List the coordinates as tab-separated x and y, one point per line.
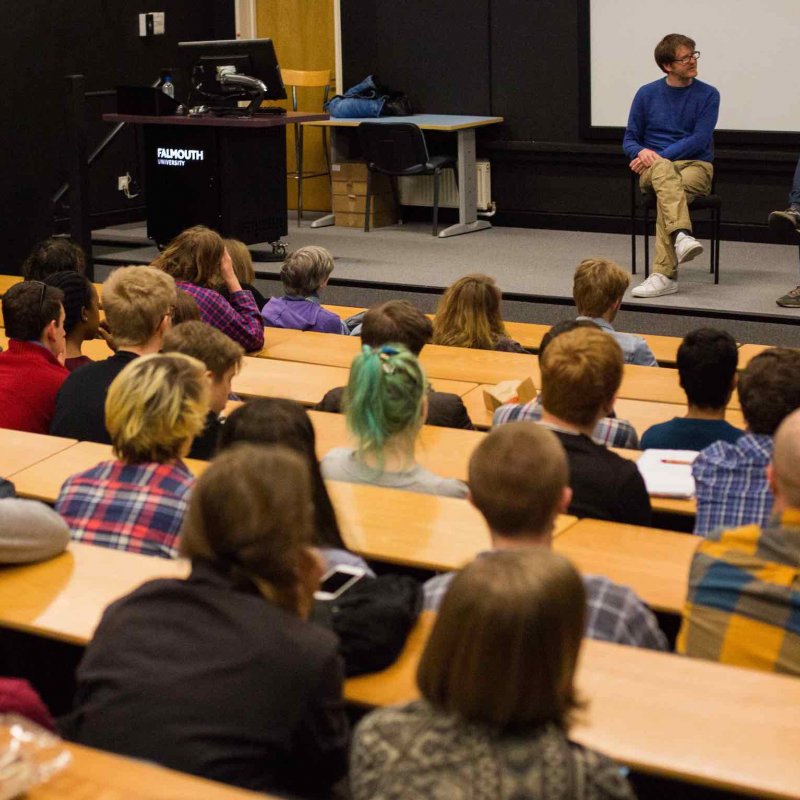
785	221
791	299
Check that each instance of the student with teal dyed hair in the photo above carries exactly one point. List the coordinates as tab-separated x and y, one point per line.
386	404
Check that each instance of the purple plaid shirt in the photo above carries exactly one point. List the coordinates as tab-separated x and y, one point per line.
134	507
240	318
613	612
610	431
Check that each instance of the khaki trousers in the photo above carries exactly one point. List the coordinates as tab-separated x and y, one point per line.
675	184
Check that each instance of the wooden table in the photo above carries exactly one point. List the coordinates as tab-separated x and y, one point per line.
445	451
415	530
305	383
43	480
64	598
654	563
97	775
438	361
7	281
747	352
19	449
700	722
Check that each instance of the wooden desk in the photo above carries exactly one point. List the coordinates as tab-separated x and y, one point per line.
97	775
653	562
700	722
64	598
445	451
305	383
747	352
438	361
416	530
19	449
464	129
7	281
43	480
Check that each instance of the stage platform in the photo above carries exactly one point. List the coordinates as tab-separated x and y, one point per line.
534	269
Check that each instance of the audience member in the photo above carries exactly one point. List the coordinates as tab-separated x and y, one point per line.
304	274
385	403
201	266
730	478
581	373
222	358
221	675
284	422
498	692
400	322
469	316
55	254
29	530
707	360
185	308
138	302
519	481
32	368
744	586
81	314
597	289
154	409
610	430
243	267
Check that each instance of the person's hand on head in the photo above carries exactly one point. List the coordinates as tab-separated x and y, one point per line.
228	273
103	332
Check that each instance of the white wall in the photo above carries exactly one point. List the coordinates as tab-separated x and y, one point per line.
750	52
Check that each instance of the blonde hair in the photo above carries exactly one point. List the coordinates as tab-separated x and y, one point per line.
241	259
469	314
207	344
156	406
305	270
597	285
194	256
505	644
136	300
251	512
581	372
517	476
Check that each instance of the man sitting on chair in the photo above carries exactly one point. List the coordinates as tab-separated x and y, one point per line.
669	139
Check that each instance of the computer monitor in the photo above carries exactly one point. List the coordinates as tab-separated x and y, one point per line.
205	64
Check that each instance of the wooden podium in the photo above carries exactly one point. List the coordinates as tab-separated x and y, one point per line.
228	173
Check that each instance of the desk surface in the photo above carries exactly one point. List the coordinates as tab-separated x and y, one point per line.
653	562
445	451
428	122
306	383
19	449
43	480
259	121
96	775
701	722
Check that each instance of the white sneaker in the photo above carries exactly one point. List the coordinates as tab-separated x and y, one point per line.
656	285
686	247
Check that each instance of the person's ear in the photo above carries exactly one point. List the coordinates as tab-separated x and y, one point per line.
566	499
423	412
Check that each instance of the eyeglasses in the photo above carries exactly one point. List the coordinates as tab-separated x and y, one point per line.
686	59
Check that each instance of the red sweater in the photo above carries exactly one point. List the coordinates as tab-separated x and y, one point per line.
30	377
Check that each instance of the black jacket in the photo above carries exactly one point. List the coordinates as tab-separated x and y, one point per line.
211	679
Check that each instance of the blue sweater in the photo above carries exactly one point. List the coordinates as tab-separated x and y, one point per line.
677	122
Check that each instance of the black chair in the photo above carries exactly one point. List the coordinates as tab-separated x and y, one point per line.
397	149
646	202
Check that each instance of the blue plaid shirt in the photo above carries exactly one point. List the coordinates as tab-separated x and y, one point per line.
731	484
610	431
613	612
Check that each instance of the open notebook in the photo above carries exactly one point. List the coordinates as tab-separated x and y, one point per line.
668	473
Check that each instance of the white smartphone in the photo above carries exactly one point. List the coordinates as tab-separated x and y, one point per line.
338	580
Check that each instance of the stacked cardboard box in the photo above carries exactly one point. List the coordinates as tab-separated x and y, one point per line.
350	196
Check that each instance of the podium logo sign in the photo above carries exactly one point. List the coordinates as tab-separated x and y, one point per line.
177	157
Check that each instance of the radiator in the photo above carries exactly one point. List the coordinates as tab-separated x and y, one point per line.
418	190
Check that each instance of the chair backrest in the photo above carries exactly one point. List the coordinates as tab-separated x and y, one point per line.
393	147
307	79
